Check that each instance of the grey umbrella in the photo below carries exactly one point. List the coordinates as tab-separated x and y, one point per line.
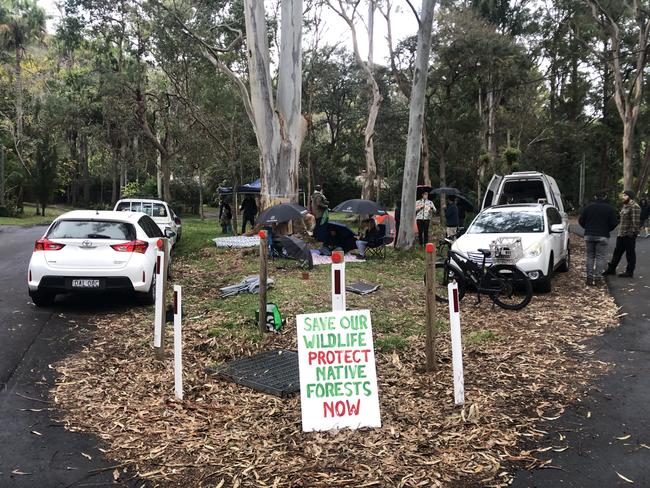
359	206
282	212
293	248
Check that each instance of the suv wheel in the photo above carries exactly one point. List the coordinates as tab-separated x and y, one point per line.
566	262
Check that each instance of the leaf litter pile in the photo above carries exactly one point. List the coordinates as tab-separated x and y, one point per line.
520	368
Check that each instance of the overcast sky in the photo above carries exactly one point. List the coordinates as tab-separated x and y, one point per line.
335	30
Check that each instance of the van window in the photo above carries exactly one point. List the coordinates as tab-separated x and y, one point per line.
518	221
123	207
553	216
522	191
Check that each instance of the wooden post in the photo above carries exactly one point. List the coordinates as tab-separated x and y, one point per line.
264	252
430	348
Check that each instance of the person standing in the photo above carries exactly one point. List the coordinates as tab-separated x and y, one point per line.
645	213
598	219
319	208
424	210
225	217
398	216
451	216
627	234
249	209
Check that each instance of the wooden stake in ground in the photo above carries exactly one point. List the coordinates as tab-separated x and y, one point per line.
264	252
430	348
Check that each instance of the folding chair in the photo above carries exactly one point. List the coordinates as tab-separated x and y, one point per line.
377	248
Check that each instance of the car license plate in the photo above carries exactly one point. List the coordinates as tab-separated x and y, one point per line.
85	283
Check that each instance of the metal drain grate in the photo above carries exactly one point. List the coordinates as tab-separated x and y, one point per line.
273	372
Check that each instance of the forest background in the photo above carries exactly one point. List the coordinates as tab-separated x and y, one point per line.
154	97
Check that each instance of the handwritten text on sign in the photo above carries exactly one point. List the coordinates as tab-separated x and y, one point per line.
338	379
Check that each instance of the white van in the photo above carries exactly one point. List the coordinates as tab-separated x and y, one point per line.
523	187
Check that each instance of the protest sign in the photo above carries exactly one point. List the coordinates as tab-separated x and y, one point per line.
338	378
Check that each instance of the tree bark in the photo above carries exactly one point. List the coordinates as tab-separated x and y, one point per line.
279	127
2	176
85	173
19	88
406	236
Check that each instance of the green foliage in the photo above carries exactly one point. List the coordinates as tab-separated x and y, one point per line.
391	343
483	336
131	190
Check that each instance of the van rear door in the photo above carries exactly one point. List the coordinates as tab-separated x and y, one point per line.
491	191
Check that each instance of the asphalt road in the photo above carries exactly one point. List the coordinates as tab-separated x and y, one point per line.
35	449
608	432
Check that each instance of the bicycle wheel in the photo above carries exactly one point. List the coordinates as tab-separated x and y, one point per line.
512	288
445	274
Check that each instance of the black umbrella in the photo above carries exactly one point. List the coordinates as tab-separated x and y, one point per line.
461	201
293	248
359	206
283	212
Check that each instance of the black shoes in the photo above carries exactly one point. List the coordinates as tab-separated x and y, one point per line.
609	271
627	274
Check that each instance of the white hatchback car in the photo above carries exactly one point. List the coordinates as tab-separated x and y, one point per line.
544	237
95	251
160	211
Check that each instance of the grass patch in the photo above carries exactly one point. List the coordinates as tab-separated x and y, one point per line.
197	235
391	343
483	336
30	217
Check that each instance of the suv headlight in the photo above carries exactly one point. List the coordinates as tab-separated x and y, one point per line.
533	251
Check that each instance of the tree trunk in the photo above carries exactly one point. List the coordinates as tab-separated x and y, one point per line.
426	174
2	176
442	164
85	173
19	90
115	190
406	236
201	194
628	142
165	170
279	128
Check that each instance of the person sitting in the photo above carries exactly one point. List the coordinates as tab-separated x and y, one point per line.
370	233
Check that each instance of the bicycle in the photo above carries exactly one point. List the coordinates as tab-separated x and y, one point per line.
499	281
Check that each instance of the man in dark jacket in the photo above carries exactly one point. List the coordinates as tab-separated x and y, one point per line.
627	233
598	219
249	209
451	216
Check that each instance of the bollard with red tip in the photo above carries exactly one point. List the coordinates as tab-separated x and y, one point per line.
338	281
178	344
456	344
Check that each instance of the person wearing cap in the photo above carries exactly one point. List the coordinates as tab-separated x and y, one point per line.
630	217
598	219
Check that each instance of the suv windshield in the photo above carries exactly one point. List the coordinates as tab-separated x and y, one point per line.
91	229
509	221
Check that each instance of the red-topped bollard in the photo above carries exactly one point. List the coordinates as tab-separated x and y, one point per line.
430	348
338	281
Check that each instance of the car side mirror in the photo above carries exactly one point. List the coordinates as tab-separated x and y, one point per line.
169	233
557	228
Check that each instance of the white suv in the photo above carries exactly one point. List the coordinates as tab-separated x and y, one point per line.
544	237
94	251
161	213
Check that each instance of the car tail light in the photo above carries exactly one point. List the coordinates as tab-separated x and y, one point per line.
47	245
132	246
177	220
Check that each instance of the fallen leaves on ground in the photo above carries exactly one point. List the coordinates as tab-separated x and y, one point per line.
223	434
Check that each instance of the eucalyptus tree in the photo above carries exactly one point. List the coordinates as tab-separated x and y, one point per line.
406	236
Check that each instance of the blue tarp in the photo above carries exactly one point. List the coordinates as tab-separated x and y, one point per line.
252	187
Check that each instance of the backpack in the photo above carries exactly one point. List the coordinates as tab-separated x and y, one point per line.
274	320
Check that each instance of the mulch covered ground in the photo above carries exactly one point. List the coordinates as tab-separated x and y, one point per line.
521	367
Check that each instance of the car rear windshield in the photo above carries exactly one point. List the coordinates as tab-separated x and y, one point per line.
91	229
150	208
513	221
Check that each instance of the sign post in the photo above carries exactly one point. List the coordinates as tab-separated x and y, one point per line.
264	253
159	307
338	378
178	344
430	348
456	344
338	282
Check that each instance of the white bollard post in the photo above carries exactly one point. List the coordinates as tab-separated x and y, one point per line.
338	282
159	308
456	344
178	344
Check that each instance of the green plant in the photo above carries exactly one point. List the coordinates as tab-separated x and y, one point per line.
131	190
481	336
390	343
